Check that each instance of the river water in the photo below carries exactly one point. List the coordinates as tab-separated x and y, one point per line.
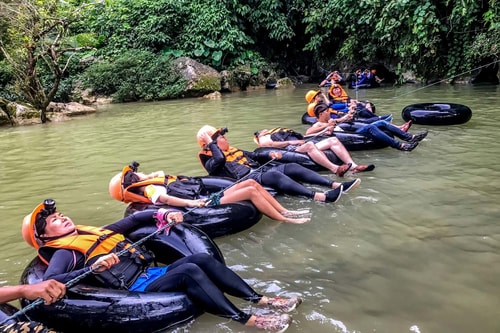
414	249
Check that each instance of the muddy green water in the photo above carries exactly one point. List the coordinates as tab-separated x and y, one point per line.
416	248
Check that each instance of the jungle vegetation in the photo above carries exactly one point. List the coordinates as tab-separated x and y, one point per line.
124	48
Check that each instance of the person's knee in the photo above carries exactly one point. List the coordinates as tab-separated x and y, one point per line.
201	258
310	147
370	128
253	185
333	142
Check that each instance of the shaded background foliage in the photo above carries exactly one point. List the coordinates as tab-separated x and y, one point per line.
432	39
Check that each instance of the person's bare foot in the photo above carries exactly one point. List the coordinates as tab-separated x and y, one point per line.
295	213
299	220
406	126
342	169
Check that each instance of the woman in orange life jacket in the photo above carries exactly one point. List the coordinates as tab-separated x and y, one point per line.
220	159
133	186
293	141
73	250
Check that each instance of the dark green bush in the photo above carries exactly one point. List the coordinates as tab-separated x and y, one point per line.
135	76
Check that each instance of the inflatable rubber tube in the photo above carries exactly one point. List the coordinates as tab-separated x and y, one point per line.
437	113
353	141
262	156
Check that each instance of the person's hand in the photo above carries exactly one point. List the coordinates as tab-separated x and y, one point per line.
177	217
296	142
197	203
51	291
275	155
105	262
155	174
207	138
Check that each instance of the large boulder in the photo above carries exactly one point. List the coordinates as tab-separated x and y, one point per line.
201	79
243	78
16	113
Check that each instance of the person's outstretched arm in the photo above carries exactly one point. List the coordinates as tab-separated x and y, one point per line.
50	291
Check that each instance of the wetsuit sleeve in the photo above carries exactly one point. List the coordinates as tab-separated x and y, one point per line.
62	266
214	164
249	155
133	221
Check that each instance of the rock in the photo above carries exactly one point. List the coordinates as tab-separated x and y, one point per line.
284	83
201	79
16	113
70	109
214	95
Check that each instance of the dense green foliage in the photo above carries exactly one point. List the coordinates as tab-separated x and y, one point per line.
135	75
433	39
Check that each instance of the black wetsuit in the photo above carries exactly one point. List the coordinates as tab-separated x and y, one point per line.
284	178
203	278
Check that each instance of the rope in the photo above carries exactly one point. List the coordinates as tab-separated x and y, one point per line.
447	79
308	138
438	82
214	200
221	192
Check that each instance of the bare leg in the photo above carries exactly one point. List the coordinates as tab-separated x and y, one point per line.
265	204
317	156
262	191
337	148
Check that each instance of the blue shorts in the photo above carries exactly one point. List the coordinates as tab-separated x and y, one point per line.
151	274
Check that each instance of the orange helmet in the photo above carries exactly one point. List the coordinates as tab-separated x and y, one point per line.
28	229
310	109
211	131
311	94
116	187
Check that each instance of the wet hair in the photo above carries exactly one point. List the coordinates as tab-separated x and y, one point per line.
40	223
130	178
321	107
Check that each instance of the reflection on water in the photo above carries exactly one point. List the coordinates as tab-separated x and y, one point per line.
413	249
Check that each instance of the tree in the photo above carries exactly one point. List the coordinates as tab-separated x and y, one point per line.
431	38
38	39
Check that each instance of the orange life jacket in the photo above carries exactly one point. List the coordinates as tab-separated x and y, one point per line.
129	195
94	242
343	96
282	134
83	241
232	155
236	166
